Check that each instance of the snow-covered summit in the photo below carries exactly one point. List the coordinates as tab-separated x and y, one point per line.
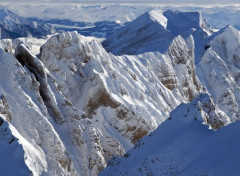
154	31
83	105
141	35
202	109
185	23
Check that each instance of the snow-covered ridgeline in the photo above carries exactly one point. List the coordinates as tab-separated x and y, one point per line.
184	145
216	54
82	105
90	102
13	26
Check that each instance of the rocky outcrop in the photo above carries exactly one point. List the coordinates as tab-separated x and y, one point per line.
189	129
182	57
4	108
23	105
219	70
203	109
96	104
36	67
73	102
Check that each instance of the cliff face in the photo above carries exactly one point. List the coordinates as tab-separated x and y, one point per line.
219	70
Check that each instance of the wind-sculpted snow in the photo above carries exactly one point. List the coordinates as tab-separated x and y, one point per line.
184	145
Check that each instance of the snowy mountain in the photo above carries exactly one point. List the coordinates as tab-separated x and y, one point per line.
14	26
155	30
184	145
164	151
89	101
219	70
216	55
75	106
217	16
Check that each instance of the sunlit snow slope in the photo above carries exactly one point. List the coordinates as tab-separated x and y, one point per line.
184	145
74	106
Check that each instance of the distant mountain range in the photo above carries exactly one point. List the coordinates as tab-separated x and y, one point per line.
13	26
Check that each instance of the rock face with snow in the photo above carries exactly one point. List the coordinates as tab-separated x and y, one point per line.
82	105
22	106
184	145
13	26
216	56
219	70
93	103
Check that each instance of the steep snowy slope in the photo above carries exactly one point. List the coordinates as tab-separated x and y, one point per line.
18	156
83	106
216	56
154	31
25	110
184	145
14	26
147	33
219	70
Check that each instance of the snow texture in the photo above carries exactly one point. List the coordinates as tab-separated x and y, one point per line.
184	145
70	106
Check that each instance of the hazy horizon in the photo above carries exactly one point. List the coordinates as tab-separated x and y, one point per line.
164	2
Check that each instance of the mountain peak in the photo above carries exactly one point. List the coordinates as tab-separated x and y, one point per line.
154	31
182	22
157	15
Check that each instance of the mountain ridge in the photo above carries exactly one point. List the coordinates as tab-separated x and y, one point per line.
82	105
13	26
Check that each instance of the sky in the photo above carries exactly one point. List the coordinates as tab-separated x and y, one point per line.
227	2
